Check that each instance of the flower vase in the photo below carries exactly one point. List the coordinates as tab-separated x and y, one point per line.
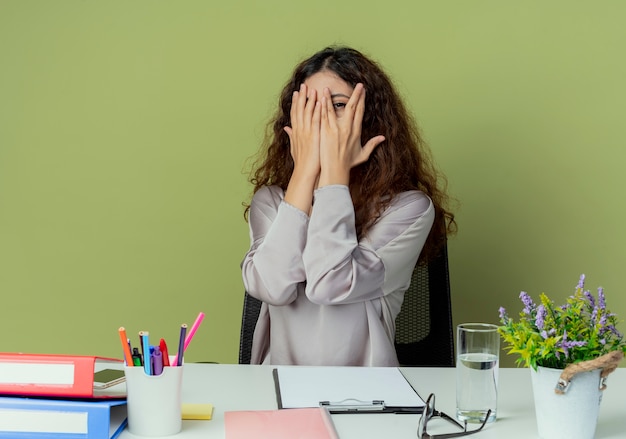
573	414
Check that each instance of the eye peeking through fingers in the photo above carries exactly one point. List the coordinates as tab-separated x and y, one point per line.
339	107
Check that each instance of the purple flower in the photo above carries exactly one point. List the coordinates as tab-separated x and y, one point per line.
541	315
590	299
580	329
529	306
566	345
614	330
502	312
601	300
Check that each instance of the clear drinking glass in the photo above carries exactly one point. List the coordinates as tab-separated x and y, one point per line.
478	350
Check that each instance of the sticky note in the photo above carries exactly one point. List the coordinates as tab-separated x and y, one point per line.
197	411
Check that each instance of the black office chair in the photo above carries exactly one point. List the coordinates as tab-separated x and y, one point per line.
251	310
424	333
423	328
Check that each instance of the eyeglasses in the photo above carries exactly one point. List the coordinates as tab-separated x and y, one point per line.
429	412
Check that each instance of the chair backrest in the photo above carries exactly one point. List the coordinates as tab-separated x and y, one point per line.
424	334
251	310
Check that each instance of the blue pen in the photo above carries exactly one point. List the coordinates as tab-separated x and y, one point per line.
145	342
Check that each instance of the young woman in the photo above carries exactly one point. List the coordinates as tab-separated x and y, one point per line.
345	198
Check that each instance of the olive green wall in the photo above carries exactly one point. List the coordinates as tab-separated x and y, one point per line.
125	127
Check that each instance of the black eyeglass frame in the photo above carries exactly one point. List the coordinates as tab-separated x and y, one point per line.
430	411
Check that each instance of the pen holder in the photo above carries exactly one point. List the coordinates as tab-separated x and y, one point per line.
154	401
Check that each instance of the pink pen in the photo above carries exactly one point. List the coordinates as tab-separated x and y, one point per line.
193	329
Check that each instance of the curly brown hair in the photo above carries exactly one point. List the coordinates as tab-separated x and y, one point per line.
401	163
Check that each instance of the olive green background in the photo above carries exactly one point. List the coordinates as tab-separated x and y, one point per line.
125	127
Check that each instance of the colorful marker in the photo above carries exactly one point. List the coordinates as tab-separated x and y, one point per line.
164	353
157	361
178	360
145	342
126	348
137	357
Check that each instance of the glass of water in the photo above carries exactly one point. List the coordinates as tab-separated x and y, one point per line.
478	350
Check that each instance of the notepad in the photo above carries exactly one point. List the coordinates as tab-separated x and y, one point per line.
197	411
382	389
309	423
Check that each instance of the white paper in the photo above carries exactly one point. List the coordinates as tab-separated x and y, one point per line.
37	373
302	386
43	421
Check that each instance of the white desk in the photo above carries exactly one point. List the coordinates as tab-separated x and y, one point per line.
239	387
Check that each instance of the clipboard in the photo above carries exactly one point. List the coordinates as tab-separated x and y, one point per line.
346	389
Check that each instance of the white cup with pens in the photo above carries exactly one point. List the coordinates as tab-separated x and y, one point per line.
154	401
154	385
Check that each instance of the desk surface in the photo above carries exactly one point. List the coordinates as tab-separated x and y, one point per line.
241	387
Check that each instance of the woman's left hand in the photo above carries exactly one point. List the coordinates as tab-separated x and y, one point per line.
340	139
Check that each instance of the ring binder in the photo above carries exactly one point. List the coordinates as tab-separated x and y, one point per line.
43	418
354	406
56	375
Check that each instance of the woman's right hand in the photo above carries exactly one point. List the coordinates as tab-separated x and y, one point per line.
304	132
304	139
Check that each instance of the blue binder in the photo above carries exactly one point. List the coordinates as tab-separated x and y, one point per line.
37	418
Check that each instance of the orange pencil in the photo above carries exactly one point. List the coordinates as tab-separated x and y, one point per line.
128	357
163	348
